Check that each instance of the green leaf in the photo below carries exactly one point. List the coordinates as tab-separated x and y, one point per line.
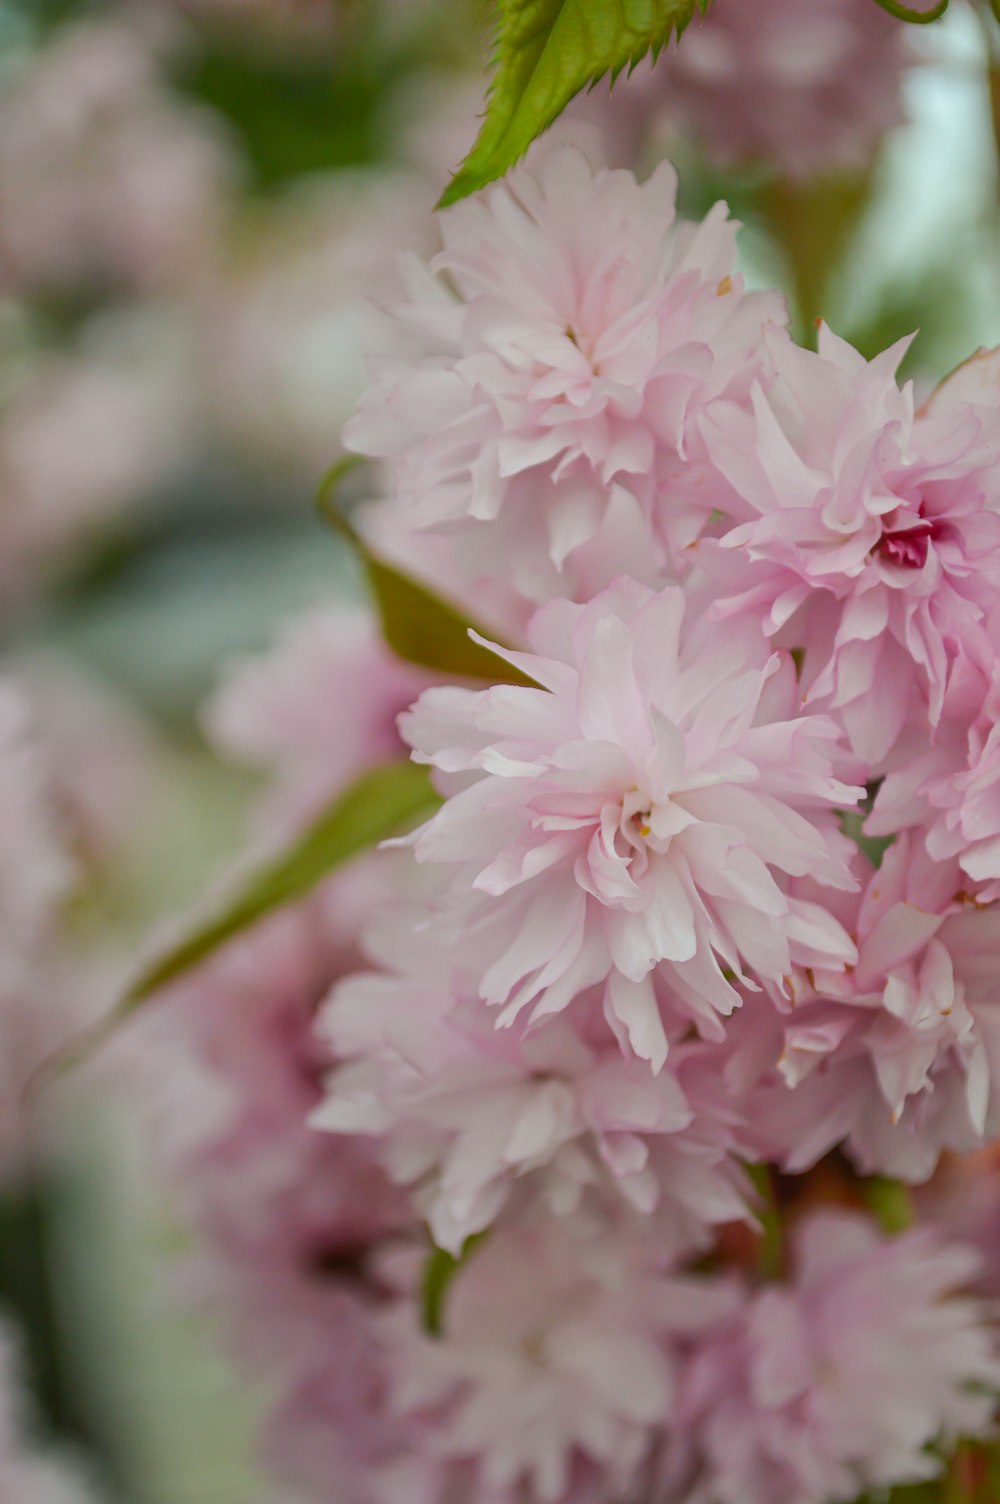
547	51
852	823
292	112
418	625
920	16
383	802
439	1271
815	221
890	1203
771	1253
379	804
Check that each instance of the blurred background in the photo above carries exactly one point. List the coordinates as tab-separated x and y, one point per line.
198	200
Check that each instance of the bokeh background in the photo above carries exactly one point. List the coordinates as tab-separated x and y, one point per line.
198	201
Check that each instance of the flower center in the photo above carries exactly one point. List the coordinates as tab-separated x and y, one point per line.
906	547
636	821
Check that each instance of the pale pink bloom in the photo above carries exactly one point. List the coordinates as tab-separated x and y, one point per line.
839	1381
104	179
948	789
632	822
899	1057
83	436
35	879
549	368
286	1219
103	764
34	871
805	88
50	987
558	1349
290	320
317	710
963	1202
472	1116
423	1477
866	533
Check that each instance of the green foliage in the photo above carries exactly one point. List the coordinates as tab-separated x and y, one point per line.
381	803
852	823
889	1202
439	1271
291	116
771	1254
814	222
546	52
916	17
37	16
418	625
26	1215
377	805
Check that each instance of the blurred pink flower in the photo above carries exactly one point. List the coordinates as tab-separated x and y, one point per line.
34	872
839	1381
103	763
317	710
287	1219
806	88
290	318
105	181
558	1351
84	435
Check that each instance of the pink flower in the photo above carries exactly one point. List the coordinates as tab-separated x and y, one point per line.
84	436
103	178
558	1350
872	537
34	871
37	1008
472	1117
808	88
898	1058
291	319
631	823
544	402
839	1381
287	1220
947	790
318	709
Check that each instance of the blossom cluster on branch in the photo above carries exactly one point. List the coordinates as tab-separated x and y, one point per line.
598	1061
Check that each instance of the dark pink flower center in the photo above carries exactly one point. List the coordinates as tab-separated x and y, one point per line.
906	547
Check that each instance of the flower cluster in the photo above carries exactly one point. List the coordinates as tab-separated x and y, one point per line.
642	959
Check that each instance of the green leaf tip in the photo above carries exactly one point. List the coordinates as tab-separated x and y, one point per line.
852	823
771	1252
914	17
889	1202
375	806
418	625
439	1271
383	802
546	52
